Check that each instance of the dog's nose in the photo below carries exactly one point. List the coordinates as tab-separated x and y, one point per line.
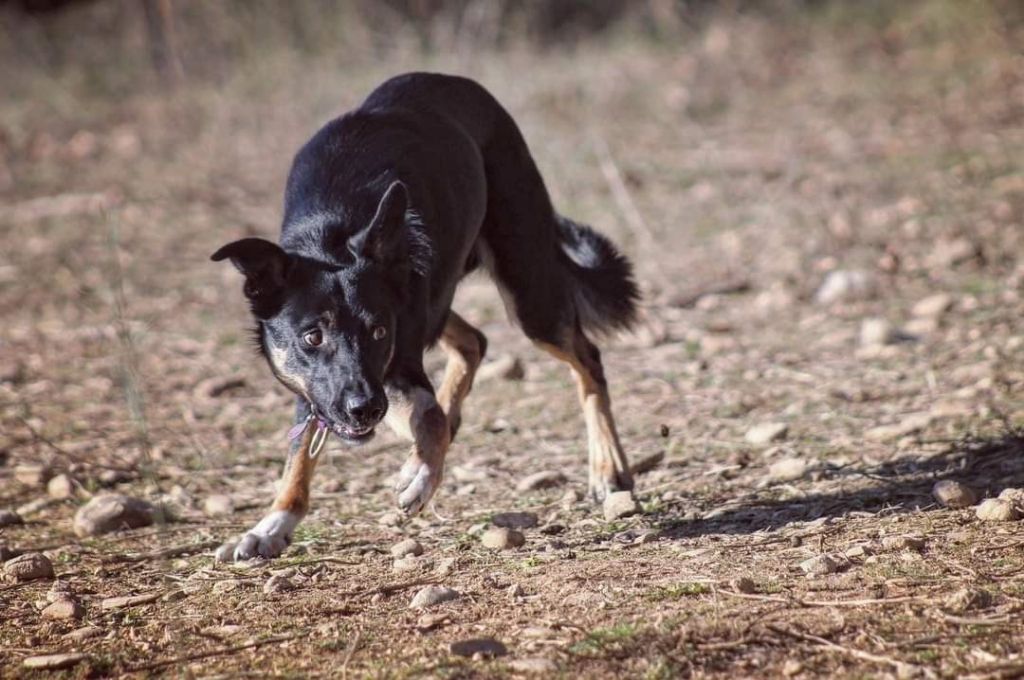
364	409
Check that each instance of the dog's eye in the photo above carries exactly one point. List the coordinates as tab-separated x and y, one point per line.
313	338
379	332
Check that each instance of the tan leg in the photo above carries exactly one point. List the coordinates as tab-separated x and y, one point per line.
414	413
609	468
465	347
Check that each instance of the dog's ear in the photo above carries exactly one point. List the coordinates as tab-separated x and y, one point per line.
265	266
384	239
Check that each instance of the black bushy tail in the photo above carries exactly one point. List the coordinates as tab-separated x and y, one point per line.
604	290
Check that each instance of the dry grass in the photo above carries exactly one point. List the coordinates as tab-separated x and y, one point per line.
749	151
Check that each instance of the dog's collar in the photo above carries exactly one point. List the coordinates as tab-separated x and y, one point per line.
319	437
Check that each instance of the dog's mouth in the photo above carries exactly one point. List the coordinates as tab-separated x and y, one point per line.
351	434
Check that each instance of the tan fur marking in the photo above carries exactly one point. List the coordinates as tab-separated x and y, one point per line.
279	359
460	343
293	495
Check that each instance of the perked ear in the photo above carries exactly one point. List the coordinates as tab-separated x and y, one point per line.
264	264
384	239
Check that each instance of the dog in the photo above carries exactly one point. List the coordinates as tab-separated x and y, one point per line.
386	209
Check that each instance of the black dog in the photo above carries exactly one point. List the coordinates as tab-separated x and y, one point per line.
387	208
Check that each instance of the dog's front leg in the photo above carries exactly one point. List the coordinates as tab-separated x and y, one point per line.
415	414
273	533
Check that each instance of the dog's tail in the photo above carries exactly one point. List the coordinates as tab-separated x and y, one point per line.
603	287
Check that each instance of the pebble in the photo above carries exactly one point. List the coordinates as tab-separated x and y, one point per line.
997	510
84	633
409	546
820	565
515	520
1013	496
408	563
952	494
60	487
32	474
845	285
277	584
915	543
65	608
875	332
743	584
29	567
501	538
112	512
533	664
766	433
218	505
933	305
446	566
792	667
429	622
788	469
545	479
390	519
10	518
432	595
53	662
485	647
620	504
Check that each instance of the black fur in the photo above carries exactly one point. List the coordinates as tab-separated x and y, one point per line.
386	209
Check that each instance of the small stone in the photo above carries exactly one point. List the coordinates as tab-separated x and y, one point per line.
859	550
820	565
429	622
277	584
10	518
952	494
501	538
84	633
53	662
792	667
845	285
743	584
967	599
32	474
537	665
545	479
29	567
515	520
620	504
60	487
60	590
933	305
113	512
406	548
432	595
446	566
997	510
62	609
1014	497
390	519
506	367
787	469
766	433
876	332
408	563
485	647
218	505
892	543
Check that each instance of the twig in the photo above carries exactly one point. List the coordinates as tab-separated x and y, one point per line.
214	652
821	603
901	666
352	648
174	551
966	621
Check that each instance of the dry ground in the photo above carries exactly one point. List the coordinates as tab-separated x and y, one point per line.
737	165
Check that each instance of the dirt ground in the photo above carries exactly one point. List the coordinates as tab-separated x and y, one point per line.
749	170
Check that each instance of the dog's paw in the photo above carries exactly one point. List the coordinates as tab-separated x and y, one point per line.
602	487
417	481
267	540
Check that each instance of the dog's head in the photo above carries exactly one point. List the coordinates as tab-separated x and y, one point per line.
328	330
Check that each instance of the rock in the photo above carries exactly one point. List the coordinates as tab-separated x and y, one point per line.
647	463
967	599
446	566
537	665
792	667
432	595
933	305
485	647
32	474
766	433
406	548
84	633
620	504
846	285
506	367
218	505
1013	496
390	519
277	584
892	543
997	510
743	584
65	608
113	512
515	520
820	565
875	332
10	518
947	253
408	563
53	662
60	487
29	567
787	469
501	538
952	494
545	479
59	590
429	622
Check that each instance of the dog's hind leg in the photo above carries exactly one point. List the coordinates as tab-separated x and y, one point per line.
609	469
273	533
415	414
465	347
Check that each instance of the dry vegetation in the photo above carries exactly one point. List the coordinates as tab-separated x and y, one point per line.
739	163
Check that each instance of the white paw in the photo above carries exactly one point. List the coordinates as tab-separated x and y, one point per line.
267	539
417	481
